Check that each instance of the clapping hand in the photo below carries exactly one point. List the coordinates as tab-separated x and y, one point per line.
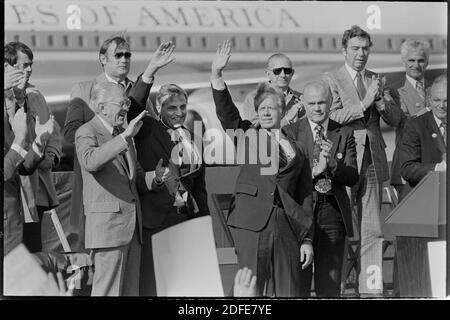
135	125
44	131
59	286
12	78
221	58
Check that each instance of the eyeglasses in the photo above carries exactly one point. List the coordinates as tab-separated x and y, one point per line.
119	55
122	104
287	71
23	66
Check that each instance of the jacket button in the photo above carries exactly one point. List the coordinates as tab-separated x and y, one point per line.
272	193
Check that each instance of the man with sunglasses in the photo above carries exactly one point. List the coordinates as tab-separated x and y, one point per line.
280	72
112	181
38	191
360	99
115	59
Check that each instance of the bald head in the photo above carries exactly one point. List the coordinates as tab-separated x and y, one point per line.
279	71
437	97
317	101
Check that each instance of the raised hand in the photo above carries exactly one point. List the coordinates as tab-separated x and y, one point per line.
221	58
372	92
135	125
12	78
19	126
244	283
161	57
44	131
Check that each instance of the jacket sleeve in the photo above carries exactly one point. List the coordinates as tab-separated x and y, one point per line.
391	113
346	172
75	114
138	94
412	168
199	192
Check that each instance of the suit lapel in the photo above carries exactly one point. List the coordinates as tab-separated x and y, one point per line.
415	103
348	85
333	135
434	129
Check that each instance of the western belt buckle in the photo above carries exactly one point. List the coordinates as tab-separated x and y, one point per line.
323	185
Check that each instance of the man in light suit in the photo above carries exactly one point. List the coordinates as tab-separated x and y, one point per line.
279	72
112	179
39	193
271	216
423	147
359	100
410	96
332	155
115	58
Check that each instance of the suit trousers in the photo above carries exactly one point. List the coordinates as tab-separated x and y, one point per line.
147	283
367	193
273	254
329	244
117	269
32	232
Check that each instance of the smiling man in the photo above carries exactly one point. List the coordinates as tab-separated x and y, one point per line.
271	217
360	98
279	72
410	96
332	157
115	60
165	146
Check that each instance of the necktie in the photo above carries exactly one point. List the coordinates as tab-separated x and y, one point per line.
420	90
362	93
116	131
282	157
444	134
317	142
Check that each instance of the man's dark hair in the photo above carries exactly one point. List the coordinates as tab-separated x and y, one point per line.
11	49
355	31
120	41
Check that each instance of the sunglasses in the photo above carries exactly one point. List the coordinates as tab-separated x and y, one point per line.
277	71
119	55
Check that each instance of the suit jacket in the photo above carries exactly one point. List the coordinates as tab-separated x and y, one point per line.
79	113
110	186
346	110
153	143
343	151
407	97
14	165
255	193
421	148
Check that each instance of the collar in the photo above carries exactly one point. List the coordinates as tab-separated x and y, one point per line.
123	82
353	72
414	81
106	124
324	125
438	121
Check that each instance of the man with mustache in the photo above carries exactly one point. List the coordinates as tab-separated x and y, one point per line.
360	98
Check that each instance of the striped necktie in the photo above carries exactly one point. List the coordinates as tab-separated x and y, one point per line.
444	133
420	90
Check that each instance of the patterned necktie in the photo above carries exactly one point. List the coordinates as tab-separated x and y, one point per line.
282	157
420	90
362	93
317	143
444	134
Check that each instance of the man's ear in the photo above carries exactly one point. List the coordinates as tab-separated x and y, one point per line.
267	72
103	59
344	51
6	65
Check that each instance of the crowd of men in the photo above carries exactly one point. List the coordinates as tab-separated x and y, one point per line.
289	227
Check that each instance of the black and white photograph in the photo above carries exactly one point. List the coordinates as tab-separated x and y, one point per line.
256	150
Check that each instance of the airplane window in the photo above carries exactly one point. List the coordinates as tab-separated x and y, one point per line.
204	42
389	43
334	41
431	43
444	44
65	40
263	42
306	43
144	41
128	40
248	41
233	42
276	42
16	37
158	41
174	40
33	41
320	43
188	42
97	41
50	41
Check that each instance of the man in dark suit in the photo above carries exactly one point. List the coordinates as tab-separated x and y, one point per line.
112	179
332	155
271	216
115	58
360	98
410	96
279	72
424	142
181	194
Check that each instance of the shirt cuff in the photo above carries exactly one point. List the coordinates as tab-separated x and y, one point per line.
218	83
147	80
307	239
19	150
149	177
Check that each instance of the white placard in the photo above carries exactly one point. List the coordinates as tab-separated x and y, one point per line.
437	261
185	260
